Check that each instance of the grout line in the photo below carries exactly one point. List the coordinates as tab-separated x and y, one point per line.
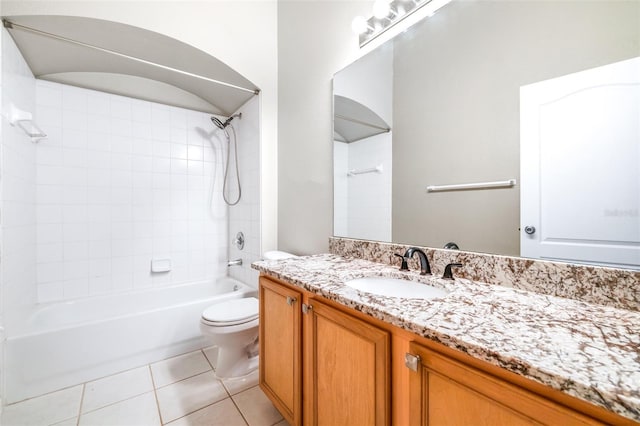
41	395
155	393
195	411
84	388
239	410
205	357
182	380
117	402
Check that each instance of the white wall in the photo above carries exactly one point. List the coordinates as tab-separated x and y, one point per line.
314	41
240	33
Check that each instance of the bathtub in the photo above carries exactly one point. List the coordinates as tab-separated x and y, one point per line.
63	344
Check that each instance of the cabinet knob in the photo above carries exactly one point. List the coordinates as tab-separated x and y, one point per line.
306	308
291	300
412	361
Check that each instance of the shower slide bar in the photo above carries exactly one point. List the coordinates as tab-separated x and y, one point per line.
480	185
11	25
376	169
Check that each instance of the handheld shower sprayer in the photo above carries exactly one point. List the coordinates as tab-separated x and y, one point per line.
222	125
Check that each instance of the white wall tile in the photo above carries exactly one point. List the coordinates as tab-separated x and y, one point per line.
125	180
74	129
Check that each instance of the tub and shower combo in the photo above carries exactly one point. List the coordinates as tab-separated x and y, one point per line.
166	123
63	344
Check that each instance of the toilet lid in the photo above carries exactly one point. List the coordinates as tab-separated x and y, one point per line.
235	311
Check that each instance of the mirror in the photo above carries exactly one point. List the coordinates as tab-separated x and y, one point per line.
449	90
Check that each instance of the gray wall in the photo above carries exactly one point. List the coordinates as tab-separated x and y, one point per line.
466	64
314	41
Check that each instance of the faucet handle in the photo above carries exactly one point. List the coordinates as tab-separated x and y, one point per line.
448	275
403	266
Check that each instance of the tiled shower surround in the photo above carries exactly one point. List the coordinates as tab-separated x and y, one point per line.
120	182
618	288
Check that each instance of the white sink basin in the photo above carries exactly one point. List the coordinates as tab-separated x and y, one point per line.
396	288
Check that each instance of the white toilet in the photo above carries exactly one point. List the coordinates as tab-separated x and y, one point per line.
232	326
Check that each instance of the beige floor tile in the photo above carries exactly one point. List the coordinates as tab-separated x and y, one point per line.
212	354
256	408
240	384
69	422
118	387
44	410
223	413
178	368
282	423
141	410
187	396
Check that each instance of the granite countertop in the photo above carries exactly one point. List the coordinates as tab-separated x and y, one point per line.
588	351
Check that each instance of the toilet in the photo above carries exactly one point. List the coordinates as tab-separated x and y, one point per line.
232	326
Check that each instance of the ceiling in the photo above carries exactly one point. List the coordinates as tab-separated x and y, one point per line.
127	60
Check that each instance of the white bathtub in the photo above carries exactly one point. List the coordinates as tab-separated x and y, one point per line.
63	344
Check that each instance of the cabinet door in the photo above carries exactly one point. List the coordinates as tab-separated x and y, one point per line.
280	348
447	392
347	369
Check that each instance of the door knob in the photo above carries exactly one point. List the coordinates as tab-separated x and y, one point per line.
530	230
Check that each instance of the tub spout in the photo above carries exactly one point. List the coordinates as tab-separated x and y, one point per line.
236	262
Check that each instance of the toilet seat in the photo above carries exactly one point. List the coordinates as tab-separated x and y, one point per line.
232	312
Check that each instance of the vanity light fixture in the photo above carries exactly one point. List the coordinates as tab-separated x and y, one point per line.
387	13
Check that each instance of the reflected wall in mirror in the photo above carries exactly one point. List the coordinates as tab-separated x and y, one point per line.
449	89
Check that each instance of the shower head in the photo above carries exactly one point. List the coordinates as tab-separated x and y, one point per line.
220	125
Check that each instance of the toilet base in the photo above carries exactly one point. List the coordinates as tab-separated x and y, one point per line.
235	362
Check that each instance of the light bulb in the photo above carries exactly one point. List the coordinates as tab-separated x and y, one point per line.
381	8
359	25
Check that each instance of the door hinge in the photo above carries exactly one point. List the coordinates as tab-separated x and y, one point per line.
412	361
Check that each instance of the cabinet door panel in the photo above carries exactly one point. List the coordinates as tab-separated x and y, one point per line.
280	348
348	369
446	392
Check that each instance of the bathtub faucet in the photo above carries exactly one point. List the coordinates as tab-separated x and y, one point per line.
236	262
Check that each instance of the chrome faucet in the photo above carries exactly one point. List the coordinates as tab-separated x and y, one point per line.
236	262
424	262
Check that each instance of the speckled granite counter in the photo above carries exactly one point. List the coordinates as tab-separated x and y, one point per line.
589	351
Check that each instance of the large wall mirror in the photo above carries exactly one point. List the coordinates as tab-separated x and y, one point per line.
445	97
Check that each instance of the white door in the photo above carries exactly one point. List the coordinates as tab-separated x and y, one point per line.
580	166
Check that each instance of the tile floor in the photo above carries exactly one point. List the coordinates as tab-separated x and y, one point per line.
179	391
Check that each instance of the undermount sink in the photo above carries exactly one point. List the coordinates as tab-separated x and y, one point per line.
396	288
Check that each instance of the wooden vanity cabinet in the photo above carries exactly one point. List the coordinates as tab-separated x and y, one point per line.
447	392
336	366
347	369
281	348
344	368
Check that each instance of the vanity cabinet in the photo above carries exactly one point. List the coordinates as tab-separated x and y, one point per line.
322	363
280	348
447	392
347	368
344	368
